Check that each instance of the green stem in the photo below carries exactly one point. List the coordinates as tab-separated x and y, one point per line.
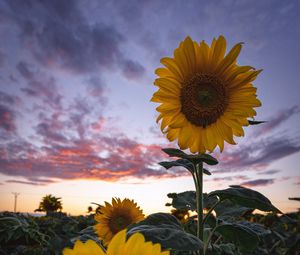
210	210
199	197
209	239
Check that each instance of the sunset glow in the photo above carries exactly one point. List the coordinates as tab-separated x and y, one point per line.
76	121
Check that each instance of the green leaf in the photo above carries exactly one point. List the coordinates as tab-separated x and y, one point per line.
229	209
209	201
184	200
222	249
259	229
165	229
179	162
205	171
242	236
246	197
174	152
194	158
294	198
253	122
187	200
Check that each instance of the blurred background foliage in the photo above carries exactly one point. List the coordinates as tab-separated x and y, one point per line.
233	227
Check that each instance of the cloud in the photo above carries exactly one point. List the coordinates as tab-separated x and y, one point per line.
24	70
103	158
269	172
26	182
258	154
96	88
40	86
234	178
132	70
7	119
72	42
277	120
2	58
258	182
9	100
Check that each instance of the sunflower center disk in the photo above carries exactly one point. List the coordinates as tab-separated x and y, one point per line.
119	222
203	99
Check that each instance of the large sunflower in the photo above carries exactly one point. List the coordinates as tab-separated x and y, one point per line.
136	244
205	96
116	217
88	248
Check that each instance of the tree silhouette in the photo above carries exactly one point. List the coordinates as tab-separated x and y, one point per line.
49	204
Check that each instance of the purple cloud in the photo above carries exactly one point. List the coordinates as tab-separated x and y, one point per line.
24	70
269	172
26	182
73	43
7	119
124	159
2	58
258	154
277	120
258	182
132	70
9	100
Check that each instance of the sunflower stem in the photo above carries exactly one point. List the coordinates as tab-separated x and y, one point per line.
199	198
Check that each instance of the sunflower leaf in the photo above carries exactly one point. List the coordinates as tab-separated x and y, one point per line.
242	236
174	152
179	162
166	230
246	197
228	209
187	200
194	158
205	171
184	200
254	122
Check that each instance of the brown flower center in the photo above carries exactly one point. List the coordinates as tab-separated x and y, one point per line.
203	99
119	223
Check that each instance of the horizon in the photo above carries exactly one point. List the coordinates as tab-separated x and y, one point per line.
76	79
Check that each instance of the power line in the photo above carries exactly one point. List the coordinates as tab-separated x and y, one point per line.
16	194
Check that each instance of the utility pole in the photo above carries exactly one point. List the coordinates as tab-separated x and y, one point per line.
16	197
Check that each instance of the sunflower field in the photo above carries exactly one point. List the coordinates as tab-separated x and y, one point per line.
234	229
205	100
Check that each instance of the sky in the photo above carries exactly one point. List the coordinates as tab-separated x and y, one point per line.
76	79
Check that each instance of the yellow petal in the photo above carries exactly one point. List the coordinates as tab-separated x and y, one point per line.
184	137
172	66
211	141
218	52
116	246
168	107
237	71
230	58
189	51
204	51
172	134
178	121
245	78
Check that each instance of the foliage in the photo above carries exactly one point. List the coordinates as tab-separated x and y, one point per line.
46	235
234	229
49	204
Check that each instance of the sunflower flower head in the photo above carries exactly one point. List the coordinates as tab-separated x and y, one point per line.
135	244
205	97
88	248
116	217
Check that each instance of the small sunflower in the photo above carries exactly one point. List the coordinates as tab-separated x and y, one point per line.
136	244
116	217
205	97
